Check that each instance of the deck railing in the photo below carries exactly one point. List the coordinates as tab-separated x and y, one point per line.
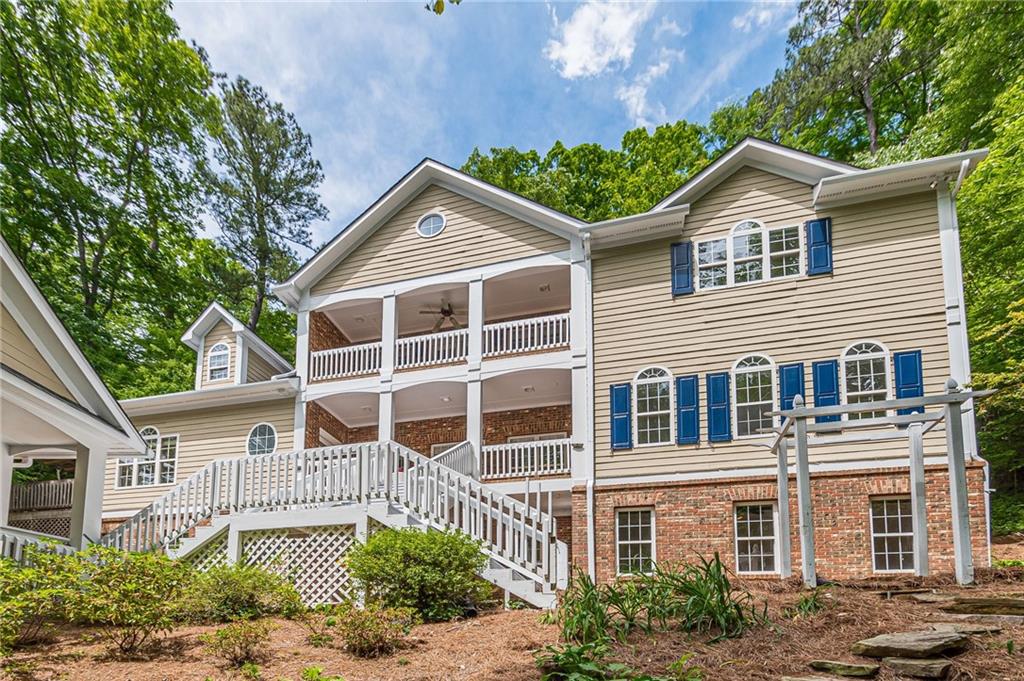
446	347
14	540
523	459
526	335
42	495
351	360
459	458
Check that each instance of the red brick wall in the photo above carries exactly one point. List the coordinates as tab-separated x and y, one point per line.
323	334
316	418
500	425
563	531
420	435
697	518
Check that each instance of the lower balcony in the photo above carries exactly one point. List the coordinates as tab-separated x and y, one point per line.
526	459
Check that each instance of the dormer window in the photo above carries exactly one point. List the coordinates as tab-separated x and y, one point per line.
217	362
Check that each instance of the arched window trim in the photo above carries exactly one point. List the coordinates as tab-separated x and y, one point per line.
637	382
733	384
226	351
424	217
844	356
727	244
161	454
152	441
248	439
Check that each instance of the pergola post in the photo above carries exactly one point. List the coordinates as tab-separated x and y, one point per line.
962	556
803	495
785	550
918	499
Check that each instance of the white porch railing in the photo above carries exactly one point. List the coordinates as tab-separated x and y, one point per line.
42	495
526	335
459	458
432	348
509	530
522	459
352	360
13	542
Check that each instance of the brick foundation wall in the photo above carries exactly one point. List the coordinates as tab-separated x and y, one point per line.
500	425
697	518
563	532
323	334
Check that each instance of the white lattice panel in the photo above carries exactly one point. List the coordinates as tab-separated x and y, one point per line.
56	525
213	554
312	558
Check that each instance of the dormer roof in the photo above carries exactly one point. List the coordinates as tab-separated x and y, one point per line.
216	313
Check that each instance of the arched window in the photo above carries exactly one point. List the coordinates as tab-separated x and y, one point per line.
430	225
752	252
262	439
652	406
218	361
157	466
753	380
151	436
865	376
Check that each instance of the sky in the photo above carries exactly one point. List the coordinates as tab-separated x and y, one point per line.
380	86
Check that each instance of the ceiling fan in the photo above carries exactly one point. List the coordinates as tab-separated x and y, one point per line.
445	313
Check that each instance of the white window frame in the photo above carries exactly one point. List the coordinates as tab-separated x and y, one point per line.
209	362
730	259
253	430
155	445
637	381
440	448
426	216
871	522
885	353
514	439
775	536
654	538
733	385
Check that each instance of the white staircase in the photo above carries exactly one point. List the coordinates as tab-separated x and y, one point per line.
390	483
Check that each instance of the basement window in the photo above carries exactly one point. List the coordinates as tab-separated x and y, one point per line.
892	535
634	540
755	539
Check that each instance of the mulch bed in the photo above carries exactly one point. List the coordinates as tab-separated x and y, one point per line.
499	646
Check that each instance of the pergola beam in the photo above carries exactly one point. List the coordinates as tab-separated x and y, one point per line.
884	405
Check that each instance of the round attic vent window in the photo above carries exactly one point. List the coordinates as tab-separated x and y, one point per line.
430	225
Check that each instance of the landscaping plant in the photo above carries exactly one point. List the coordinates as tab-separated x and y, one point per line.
374	631
240	642
320	622
34	597
231	592
433	572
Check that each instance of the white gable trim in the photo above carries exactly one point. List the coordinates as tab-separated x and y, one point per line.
195	337
427	173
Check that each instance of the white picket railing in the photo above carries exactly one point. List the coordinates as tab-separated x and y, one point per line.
522	459
14	540
526	335
351	360
432	348
42	495
435	494
459	458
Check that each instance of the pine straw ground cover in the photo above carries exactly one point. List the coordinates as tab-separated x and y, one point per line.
500	645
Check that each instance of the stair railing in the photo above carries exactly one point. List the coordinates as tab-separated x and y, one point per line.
459	458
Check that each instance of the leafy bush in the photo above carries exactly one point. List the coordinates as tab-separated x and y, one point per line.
233	592
320	622
134	595
587	662
1007	513
810	603
433	572
317	674
240	643
34	597
374	631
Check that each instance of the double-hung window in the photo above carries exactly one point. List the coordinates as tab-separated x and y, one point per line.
217	362
754	392
634	540
755	538
865	369
653	406
892	535
157	467
752	252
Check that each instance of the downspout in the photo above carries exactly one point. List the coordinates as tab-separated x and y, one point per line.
591	511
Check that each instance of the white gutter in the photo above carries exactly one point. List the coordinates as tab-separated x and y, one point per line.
212	397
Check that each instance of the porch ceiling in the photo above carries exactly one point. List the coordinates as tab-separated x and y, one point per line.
525	389
24	428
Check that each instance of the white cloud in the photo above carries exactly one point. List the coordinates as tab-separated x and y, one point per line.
635	94
761	15
596	37
670	28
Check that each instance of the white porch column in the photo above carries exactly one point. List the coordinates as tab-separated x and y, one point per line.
302	348
6	477
87	496
476	323
475	416
386	415
582	456
389	334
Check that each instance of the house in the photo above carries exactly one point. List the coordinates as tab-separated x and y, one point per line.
653	387
53	406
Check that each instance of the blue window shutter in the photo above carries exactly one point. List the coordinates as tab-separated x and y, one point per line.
826	387
719	412
819	246
909	378
687	411
622	416
791	383
682	268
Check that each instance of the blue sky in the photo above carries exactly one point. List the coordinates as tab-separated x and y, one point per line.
379	86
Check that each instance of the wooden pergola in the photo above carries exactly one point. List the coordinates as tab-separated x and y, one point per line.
798	425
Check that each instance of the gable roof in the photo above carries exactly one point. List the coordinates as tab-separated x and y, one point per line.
427	172
215	313
60	351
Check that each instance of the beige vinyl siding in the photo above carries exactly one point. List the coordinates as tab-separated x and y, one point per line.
886	286
203	436
220	333
19	353
258	369
474	235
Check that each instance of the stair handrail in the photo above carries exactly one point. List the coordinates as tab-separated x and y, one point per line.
459	458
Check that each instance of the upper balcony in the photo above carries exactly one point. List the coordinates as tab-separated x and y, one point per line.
526	311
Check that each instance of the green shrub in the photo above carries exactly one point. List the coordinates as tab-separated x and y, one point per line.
320	622
582	611
35	596
233	592
433	572
317	674
240	643
374	631
133	595
810	603
1007	513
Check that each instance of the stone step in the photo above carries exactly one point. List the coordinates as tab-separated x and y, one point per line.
966	628
985	606
861	671
918	668
917	644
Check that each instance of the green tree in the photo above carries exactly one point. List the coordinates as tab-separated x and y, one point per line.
263	192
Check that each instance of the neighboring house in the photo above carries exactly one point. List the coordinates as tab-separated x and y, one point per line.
468	358
53	406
